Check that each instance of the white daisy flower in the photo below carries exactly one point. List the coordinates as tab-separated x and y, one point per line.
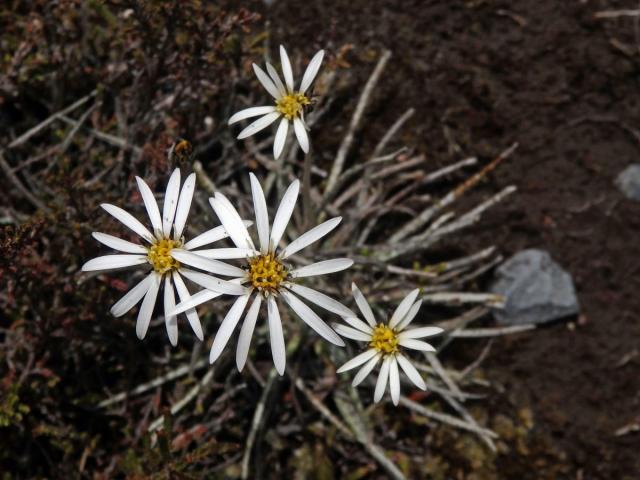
385	342
289	102
268	276
165	253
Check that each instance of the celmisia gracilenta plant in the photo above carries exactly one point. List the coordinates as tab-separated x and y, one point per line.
289	102
160	251
266	271
385	342
268	276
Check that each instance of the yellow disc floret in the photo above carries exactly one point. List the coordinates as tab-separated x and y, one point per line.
291	105
160	258
266	273
384	339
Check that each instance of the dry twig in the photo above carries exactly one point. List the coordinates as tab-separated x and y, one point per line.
49	120
341	156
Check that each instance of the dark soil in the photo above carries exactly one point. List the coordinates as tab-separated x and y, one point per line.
547	74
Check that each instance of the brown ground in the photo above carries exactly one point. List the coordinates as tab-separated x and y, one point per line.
564	85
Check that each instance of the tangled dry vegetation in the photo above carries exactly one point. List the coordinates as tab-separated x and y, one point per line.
92	94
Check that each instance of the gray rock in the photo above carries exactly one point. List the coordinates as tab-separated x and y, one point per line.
536	289
629	181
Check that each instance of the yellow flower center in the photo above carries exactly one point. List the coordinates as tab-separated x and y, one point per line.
384	339
266	273
160	258
291	105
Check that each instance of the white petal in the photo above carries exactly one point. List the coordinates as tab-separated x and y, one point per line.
146	309
301	134
266	82
128	220
310	236
108	262
192	315
310	318
363	305
394	381
226	328
366	370
359	325
403	308
420	332
150	204
214	284
352	333
416	344
411	371
194	300
381	384
285	209
184	204
321	300
322	268
230	219
278	351
286	68
226	253
170	202
262	215
276	79
170	321
133	296
257	125
358	360
280	138
207	264
246	332
408	318
311	71
221	198
119	244
250	112
210	236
